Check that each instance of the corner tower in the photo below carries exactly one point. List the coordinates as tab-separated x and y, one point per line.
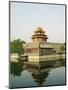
39	35
38	48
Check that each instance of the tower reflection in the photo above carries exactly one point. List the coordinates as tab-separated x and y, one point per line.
39	72
39	75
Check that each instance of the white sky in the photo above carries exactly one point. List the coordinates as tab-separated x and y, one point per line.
26	17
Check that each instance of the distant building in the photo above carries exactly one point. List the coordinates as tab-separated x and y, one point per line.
39	49
39	44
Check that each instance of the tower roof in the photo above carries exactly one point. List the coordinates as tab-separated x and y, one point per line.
39	29
39	35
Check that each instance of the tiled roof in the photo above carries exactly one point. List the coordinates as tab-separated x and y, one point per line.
38	45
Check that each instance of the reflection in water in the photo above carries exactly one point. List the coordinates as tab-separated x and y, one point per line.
38	76
16	69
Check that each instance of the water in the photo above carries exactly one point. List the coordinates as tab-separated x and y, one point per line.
27	76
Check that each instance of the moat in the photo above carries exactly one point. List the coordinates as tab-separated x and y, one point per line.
24	75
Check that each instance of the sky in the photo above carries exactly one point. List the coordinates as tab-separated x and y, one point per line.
26	17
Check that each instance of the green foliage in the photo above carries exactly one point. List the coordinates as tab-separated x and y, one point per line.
16	46
62	48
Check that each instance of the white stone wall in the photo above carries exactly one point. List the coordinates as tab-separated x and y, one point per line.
45	58
14	57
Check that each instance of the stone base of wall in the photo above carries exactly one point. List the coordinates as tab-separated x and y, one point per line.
45	58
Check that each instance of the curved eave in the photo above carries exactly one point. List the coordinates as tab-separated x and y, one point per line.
39	31
39	37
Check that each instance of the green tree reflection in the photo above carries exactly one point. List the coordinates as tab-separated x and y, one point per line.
16	68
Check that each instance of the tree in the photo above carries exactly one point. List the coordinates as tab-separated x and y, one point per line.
16	46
